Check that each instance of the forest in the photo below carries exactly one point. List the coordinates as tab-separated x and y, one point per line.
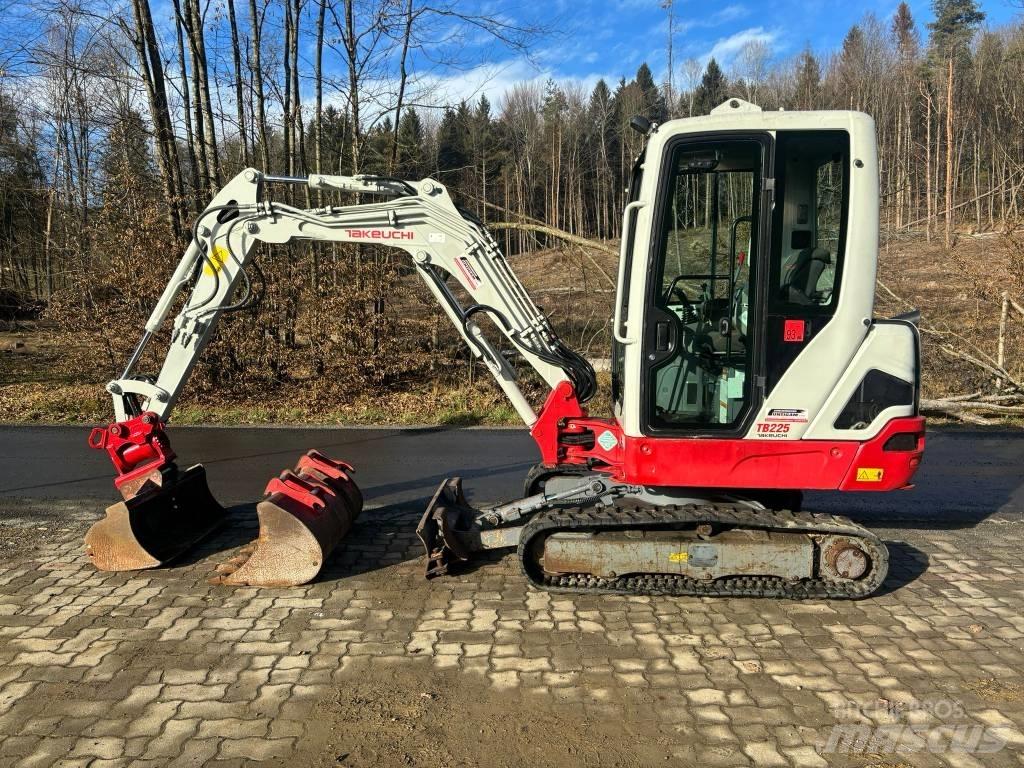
119	122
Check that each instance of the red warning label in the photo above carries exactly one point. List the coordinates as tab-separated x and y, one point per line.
793	330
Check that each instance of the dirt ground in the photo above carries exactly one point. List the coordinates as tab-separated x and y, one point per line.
417	716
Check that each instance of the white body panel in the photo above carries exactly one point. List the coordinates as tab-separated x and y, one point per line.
888	347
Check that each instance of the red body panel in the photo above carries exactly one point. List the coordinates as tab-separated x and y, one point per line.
726	463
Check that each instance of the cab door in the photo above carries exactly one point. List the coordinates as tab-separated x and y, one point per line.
702	360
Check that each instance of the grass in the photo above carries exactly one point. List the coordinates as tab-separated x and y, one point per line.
37	386
37	402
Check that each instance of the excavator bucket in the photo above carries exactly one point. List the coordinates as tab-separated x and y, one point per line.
305	515
157	524
447	518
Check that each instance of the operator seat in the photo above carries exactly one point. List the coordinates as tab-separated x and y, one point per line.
802	285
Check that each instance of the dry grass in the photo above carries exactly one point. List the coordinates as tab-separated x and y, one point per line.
958	293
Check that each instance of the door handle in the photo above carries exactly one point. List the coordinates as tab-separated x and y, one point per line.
661	336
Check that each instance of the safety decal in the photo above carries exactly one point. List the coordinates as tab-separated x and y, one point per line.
607	440
435	237
216	260
678	557
787	414
472	278
869	474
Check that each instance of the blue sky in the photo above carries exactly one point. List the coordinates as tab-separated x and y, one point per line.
594	38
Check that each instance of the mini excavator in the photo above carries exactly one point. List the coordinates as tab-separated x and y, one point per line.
747	368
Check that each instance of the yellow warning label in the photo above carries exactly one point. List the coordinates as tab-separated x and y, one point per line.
216	260
678	557
869	474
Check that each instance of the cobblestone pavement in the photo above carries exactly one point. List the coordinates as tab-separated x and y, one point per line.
161	668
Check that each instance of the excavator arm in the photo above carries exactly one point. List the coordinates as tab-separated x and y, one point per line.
418	218
166	510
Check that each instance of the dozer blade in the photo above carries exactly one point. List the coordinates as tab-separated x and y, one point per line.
446	520
304	517
156	526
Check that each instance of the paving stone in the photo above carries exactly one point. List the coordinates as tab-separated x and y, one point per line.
162	669
256	749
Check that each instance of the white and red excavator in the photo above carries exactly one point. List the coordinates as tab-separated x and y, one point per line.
747	367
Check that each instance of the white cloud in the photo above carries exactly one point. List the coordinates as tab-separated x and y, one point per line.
493	81
719	17
725	49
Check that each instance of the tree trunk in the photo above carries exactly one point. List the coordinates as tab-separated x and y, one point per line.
198	187
318	88
203	104
257	85
402	79
148	50
236	55
352	57
949	155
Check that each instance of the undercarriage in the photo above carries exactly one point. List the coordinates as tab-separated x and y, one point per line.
590	534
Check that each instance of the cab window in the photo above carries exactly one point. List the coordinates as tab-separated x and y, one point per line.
699	345
812	186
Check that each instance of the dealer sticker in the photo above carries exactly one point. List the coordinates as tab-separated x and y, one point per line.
787	414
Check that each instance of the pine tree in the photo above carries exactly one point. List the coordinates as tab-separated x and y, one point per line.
454	153
905	33
410	145
712	89
377	147
808	80
655	108
952	31
954	26
126	164
481	135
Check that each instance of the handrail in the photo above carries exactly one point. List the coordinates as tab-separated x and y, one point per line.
623	247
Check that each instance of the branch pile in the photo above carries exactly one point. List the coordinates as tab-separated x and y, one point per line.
1007	397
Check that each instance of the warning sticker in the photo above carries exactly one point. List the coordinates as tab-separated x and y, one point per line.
607	440
678	557
216	260
472	278
787	414
869	474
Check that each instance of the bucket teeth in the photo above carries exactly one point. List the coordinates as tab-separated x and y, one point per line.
156	526
305	515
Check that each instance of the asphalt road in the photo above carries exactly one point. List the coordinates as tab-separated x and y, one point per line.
966	476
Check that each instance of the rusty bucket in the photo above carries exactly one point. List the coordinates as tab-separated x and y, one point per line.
304	516
156	523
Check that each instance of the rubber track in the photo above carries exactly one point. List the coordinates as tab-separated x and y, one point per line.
627	516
